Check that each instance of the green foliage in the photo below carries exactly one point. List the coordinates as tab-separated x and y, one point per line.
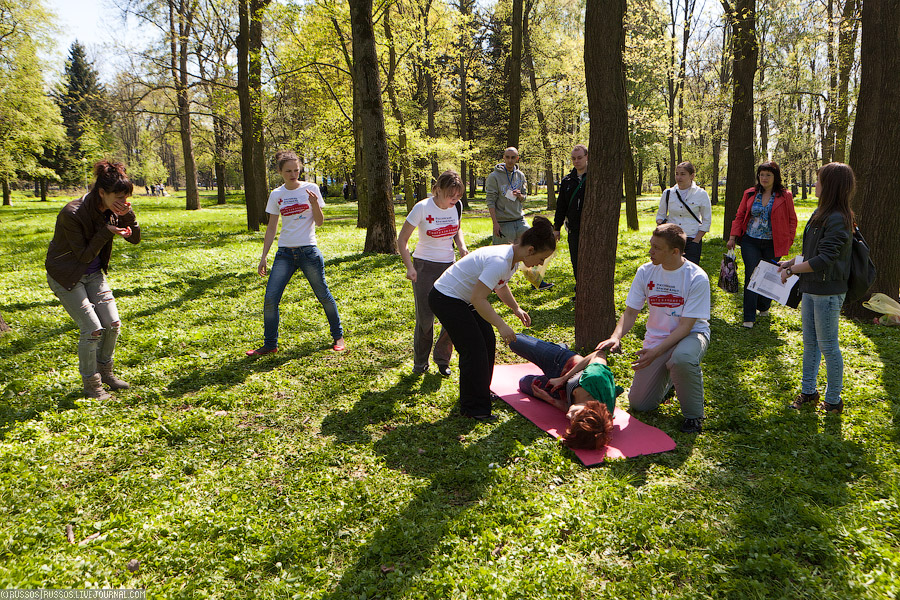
311	474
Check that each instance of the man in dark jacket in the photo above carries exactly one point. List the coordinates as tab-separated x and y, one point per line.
571	201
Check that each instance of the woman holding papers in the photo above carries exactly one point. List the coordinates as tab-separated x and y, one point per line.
823	272
765	226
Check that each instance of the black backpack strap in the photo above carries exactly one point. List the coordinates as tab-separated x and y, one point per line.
686	206
458	209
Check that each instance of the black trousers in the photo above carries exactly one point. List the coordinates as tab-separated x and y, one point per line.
476	344
692	250
574	237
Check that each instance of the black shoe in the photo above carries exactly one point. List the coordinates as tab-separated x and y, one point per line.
545	285
420	370
833	409
692	426
483	418
802	399
444	370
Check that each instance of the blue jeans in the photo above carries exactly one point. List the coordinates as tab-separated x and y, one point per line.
287	260
754	250
820	315
548	357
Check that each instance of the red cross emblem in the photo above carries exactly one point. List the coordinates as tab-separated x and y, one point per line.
430	219
651	285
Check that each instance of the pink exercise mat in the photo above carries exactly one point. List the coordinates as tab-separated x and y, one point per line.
630	437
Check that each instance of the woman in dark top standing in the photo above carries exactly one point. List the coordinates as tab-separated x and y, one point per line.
827	246
77	259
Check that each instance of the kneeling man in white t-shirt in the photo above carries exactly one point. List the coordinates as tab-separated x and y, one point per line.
677	293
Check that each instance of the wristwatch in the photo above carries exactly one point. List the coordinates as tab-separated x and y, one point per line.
789	271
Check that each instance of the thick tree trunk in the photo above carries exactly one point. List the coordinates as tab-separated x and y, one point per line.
875	149
538	108
249	46
381	233
741	159
180	26
595	308
515	75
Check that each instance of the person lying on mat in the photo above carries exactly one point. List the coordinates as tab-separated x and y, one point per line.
580	386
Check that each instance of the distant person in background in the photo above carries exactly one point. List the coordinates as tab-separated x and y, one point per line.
571	202
823	275
300	205
77	259
765	225
438	219
505	193
687	205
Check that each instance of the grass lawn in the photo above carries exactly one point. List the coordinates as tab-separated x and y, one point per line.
309	474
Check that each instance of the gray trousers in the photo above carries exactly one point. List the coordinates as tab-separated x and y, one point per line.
93	308
510	232
427	272
679	366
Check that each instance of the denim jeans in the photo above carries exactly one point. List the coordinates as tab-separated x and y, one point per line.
93	308
550	358
820	316
754	250
427	272
510	232
476	344
287	260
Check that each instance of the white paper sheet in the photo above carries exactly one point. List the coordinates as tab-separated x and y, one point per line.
510	195
766	281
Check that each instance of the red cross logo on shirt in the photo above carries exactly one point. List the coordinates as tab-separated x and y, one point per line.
430	219
651	285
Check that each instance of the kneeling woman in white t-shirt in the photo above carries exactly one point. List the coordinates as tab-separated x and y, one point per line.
460	302
438	221
299	204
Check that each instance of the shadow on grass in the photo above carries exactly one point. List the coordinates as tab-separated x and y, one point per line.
887	343
236	371
459	476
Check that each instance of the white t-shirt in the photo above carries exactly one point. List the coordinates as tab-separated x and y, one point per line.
297	226
491	265
437	226
670	295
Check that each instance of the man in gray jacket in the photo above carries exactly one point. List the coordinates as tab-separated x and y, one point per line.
504	192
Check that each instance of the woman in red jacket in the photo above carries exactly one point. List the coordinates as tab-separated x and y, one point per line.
766	224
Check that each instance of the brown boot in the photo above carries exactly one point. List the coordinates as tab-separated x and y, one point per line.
93	388
106	375
802	399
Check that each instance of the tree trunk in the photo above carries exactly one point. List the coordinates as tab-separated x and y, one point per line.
849	27
249	46
381	233
763	122
43	190
515	75
631	193
219	157
875	149
7	197
180	25
405	166
542	121
464	42
595	308
741	159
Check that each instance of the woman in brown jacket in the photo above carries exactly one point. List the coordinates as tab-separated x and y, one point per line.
77	259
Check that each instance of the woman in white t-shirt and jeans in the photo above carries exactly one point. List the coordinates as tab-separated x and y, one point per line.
438	221
300	205
460	301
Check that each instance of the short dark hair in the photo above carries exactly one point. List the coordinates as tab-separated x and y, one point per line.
581	147
687	166
282	156
673	234
111	178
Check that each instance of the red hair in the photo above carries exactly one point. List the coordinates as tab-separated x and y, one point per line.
591	428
